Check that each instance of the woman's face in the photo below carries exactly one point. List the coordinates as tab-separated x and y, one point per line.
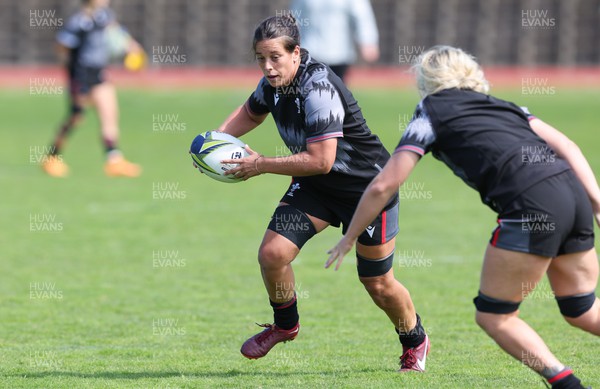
278	65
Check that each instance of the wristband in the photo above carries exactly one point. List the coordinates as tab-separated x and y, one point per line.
256	164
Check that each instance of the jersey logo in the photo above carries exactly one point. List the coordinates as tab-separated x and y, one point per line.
293	188
370	230
276	98
297	104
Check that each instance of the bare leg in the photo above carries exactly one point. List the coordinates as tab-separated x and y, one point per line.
510	276
275	256
104	98
386	291
75	117
574	274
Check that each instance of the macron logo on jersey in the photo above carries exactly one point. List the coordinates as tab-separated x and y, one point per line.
370	230
276	98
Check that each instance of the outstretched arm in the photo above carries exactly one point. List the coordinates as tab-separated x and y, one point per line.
376	196
568	150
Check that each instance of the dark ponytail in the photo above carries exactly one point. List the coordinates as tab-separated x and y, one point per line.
278	27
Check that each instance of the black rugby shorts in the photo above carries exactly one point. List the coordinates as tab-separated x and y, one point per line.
552	218
304	196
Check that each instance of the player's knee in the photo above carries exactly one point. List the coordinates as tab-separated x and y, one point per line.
77	111
374	285
272	256
491	312
379	289
76	118
376	277
486	321
573	307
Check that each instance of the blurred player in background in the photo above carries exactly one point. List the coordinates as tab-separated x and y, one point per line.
332	157
84	49
538	181
332	29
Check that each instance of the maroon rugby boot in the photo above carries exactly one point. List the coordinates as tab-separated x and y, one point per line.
413	359
260	344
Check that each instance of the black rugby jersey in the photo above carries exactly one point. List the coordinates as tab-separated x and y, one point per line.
318	106
487	142
85	35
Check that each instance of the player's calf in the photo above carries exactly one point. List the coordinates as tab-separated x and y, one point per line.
389	295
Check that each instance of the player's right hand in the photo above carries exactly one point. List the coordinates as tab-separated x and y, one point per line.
337	253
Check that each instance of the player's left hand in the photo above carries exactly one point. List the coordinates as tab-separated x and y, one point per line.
246	167
337	253
197	167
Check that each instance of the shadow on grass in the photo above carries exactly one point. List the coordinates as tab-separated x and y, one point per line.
124	375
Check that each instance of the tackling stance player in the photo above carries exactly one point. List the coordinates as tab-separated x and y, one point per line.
83	49
333	157
537	180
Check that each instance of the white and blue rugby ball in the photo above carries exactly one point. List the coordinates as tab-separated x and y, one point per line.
210	148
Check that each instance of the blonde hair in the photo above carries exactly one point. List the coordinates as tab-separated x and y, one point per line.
445	67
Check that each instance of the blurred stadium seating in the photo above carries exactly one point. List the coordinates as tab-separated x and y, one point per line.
218	32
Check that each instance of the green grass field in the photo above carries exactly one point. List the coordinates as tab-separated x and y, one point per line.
154	283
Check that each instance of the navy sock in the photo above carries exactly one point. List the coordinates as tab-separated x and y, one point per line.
414	337
286	314
54	150
109	145
565	380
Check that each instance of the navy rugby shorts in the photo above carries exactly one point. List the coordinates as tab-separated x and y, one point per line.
552	218
82	79
336	210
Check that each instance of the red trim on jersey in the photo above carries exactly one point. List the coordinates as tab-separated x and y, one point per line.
414	149
496	233
330	135
383	224
531	117
560	376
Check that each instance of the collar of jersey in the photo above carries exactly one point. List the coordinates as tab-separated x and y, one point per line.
305	58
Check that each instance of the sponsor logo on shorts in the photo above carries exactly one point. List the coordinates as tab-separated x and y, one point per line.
370	230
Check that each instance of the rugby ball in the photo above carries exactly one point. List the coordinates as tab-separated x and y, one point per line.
117	40
210	148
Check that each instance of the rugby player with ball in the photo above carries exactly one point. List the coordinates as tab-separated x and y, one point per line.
333	157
